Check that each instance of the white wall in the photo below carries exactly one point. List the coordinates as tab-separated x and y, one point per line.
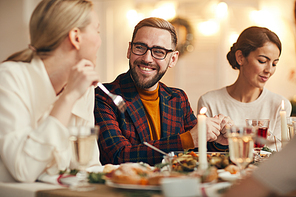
204	69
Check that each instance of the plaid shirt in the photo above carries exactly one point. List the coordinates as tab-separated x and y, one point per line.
122	135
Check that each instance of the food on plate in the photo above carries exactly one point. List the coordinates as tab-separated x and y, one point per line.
209	175
96	177
139	174
219	160
233	169
267	149
109	168
131	173
185	162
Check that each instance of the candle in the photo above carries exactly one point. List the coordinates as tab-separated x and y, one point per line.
202	139
284	129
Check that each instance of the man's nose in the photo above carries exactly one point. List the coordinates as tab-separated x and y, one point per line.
148	56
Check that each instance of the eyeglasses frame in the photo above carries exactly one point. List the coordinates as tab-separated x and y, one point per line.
150	48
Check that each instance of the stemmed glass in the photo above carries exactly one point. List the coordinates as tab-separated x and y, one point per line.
83	140
291	122
241	144
261	127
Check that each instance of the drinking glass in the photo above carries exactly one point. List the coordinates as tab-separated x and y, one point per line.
241	144
83	140
261	127
291	123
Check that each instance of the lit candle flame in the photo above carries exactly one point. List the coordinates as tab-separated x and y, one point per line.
203	110
283	105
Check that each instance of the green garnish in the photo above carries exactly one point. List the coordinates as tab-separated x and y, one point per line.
96	177
265	148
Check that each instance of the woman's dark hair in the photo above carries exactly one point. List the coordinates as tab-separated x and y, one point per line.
249	40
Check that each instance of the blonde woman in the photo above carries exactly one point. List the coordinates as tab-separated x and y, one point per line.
46	88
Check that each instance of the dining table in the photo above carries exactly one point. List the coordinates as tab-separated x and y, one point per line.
39	189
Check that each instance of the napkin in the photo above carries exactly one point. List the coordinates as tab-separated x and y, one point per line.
66	179
52	179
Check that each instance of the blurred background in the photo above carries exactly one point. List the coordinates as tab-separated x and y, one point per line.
206	31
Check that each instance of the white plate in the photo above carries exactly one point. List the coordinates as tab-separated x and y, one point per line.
227	176
130	186
213	189
265	152
97	169
70	180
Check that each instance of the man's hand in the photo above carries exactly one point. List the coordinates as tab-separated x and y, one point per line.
194	135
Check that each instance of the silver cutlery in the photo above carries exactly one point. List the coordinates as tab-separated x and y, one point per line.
171	157
118	100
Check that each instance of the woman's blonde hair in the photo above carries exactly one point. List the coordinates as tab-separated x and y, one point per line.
50	24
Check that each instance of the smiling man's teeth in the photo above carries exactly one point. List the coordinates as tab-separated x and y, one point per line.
145	68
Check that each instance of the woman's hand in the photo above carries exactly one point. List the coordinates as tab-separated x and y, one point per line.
213	128
81	77
225	121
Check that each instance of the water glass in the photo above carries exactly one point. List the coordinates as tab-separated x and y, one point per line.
291	123
241	144
83	140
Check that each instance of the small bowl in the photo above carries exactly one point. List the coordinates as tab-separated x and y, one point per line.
180	187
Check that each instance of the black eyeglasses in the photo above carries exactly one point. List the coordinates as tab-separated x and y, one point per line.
157	52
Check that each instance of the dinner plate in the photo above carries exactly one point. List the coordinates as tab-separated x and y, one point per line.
209	153
216	189
131	186
98	169
69	180
227	176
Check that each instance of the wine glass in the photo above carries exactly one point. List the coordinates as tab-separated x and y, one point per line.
261	127
83	140
241	144
291	123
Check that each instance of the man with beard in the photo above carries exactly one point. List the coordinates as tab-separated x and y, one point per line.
155	113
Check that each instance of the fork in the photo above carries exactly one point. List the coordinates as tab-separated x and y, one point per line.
170	156
118	100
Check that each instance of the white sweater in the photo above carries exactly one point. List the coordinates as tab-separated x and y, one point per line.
266	106
31	141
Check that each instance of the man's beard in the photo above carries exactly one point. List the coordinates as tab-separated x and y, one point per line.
148	84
